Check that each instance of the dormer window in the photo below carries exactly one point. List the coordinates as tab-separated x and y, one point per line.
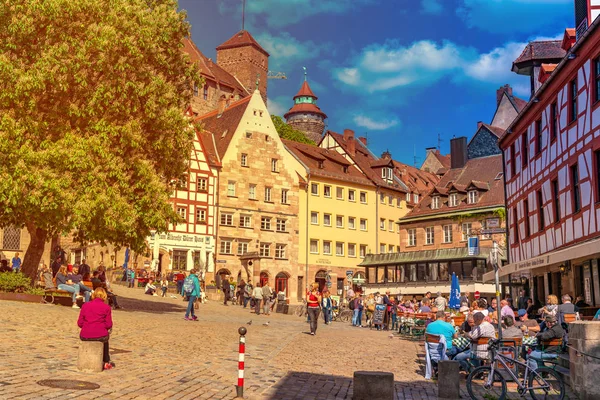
473	196
435	202
387	173
416	198
453	200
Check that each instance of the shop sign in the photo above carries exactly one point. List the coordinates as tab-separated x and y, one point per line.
221	261
473	246
323	261
534	262
492	223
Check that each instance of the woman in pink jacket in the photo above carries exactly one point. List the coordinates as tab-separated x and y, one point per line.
95	321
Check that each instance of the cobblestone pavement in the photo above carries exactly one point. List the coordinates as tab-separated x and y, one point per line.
159	355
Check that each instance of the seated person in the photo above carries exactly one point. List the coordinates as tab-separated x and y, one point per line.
425	306
525	324
509	330
47	277
580	302
96	283
78	279
441	327
482	329
64	283
597	316
95	321
150	289
553	331
4	266
469	323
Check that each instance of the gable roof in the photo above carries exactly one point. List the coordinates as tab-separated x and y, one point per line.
223	126
299	108
241	39
305	90
497	131
540	50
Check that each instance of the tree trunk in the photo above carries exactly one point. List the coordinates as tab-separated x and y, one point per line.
33	255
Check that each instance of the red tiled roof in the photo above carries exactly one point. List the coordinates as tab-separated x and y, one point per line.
479	185
416	180
569	39
304	108
224	125
443	159
382	162
519	103
210	69
541	50
208	141
481	170
241	39
333	163
305	91
545	72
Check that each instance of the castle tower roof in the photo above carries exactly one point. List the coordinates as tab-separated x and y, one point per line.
305	101
241	39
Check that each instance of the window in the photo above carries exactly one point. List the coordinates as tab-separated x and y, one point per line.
314	189
397	249
429	235
390	200
363	197
390	225
225	247
538	137
351	223
542	219
314	246
339	221
339	248
447	233
245	221
268	192
466	230
327	191
226	219
363	224
382	198
281	225
351	195
351	250
265	223
339	193
526	216
280	251
248	135
556	198
231	189
200	216
435	202
516	224
382	248
416	198
362	250
513	161
382	224
473	196
195	90
244	160
314	218
576	188
252	192
284	196
181	211
242	248
412	237
408	197
205	92
553	121
390	248
202	185
274	165
327	219
597	159
399	200
573	100
484	225
265	250
326	247
453	200
524	149
596	73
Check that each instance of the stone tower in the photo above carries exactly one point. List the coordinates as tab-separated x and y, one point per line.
245	59
305	115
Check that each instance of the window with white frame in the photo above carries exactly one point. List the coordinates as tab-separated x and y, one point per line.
466	230
231	188
281	225
351	223
351	250
408	197
390	248
327	219
326	247
200	216
284	196
226	219
280	251
397	249
339	221
399	202
225	247
339	193
314	218
412	237
390	200
390	225
351	195
363	224
473	196
265	250
363	197
435	202
327	191
382	248
244	160
242	248
265	223
362	250
447	233
245	221
314	189
382	198
181	211
274	167
314	246
339	248
202	185
382	224
268	192
429	235
416	198
453	200
484	226
252	192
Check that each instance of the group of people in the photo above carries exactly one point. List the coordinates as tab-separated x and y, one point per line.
258	296
15	264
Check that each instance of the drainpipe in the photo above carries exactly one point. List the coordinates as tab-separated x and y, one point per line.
307	245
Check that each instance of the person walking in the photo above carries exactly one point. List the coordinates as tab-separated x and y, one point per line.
247	293
267	293
191	290
164	286
95	321
241	290
16	263
313	300
257	295
226	288
327	306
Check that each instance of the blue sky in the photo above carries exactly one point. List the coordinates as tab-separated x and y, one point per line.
399	71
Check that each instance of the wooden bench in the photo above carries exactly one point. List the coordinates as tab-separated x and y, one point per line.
568	318
50	294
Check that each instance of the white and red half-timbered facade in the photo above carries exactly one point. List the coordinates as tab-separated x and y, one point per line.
552	171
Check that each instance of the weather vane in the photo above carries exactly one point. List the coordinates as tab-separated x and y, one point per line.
304	68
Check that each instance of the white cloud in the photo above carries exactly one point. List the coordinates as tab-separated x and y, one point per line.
375	124
431	7
286	50
277	106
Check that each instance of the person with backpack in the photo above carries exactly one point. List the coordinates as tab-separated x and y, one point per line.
191	290
248	294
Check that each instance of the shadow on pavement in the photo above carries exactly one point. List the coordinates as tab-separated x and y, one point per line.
154	307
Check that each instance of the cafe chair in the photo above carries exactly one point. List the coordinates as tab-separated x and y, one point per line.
435	351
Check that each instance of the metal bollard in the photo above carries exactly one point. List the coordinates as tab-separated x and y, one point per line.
240	385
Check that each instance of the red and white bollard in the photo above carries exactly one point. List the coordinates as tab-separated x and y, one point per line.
240	384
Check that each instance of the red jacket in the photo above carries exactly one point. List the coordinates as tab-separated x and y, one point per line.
95	319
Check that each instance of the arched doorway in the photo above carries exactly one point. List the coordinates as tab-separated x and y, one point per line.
281	283
358	280
223	272
321	279
264	278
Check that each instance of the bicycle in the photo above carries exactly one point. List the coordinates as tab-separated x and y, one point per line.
301	310
486	382
342	314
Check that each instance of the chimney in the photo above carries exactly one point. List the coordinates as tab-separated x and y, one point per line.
386	155
479	123
349	138
458	152
363	140
506	88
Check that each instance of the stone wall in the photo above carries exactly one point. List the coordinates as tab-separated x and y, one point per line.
313	129
584	341
247	64
483	144
202	106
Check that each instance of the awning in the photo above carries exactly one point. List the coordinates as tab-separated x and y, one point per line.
554	257
453	254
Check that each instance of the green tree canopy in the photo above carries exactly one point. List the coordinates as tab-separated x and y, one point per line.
92	131
287	132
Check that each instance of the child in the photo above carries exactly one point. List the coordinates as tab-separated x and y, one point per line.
164	285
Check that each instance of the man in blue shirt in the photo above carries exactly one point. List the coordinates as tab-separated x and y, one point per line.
441	327
16	263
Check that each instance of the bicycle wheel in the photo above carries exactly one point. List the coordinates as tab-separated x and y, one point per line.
546	383
345	315
478	388
299	311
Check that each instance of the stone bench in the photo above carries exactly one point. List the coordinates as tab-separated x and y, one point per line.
373	385
90	356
